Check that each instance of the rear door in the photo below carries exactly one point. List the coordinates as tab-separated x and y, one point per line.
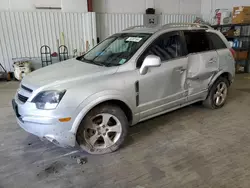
203	63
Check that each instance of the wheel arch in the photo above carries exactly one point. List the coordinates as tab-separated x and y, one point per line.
126	109
114	99
213	89
226	75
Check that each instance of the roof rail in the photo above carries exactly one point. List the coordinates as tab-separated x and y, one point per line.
186	25
139	26
133	27
171	25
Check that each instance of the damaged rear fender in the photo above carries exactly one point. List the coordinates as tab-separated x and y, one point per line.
227	75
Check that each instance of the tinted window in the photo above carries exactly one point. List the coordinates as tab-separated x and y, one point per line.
197	41
167	47
216	40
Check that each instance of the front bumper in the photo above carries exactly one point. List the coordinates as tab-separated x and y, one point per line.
44	124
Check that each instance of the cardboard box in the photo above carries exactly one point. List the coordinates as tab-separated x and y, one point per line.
242	55
230	33
241	15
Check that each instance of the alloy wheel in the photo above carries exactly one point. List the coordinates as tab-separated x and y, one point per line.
220	94
103	131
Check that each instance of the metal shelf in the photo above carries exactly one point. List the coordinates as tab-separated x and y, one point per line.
232	37
229	25
242	35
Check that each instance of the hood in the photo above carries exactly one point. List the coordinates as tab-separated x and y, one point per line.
64	72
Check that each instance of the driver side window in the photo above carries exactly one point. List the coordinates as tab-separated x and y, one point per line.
166	46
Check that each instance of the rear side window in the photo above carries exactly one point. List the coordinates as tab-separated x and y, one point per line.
197	41
217	41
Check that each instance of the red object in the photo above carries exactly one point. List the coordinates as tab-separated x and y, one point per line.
90	5
54	54
218	16
233	52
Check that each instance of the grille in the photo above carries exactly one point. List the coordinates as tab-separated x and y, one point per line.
27	89
22	98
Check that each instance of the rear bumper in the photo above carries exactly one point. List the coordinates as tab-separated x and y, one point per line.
45	127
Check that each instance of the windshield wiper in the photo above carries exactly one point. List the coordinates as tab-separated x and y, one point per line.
79	58
89	61
97	63
111	65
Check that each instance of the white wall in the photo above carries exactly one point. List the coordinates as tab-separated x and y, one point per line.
23	33
139	6
29	5
209	6
75	5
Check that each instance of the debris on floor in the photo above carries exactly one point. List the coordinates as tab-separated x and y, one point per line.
74	156
82	160
54	168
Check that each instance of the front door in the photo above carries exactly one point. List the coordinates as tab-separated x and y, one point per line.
163	88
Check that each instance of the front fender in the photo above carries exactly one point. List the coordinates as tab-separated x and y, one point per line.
96	99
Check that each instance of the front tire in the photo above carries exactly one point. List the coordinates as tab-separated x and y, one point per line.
103	130
217	94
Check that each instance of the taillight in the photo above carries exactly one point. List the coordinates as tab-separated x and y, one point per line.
232	52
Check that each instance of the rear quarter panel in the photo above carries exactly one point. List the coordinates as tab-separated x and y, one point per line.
226	59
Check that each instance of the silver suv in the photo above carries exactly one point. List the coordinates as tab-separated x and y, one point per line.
130	77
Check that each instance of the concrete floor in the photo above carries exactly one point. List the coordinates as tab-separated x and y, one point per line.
191	147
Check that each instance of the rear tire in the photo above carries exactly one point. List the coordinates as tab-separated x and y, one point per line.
103	130
217	94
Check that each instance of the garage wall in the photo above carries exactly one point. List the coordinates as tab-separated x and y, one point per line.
29	5
108	24
139	6
208	6
23	33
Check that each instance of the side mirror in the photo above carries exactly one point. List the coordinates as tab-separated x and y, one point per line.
150	61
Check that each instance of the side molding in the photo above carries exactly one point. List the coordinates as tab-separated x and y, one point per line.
137	92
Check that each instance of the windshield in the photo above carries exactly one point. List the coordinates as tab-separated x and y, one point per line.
115	50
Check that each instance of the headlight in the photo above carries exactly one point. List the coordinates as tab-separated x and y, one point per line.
48	100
